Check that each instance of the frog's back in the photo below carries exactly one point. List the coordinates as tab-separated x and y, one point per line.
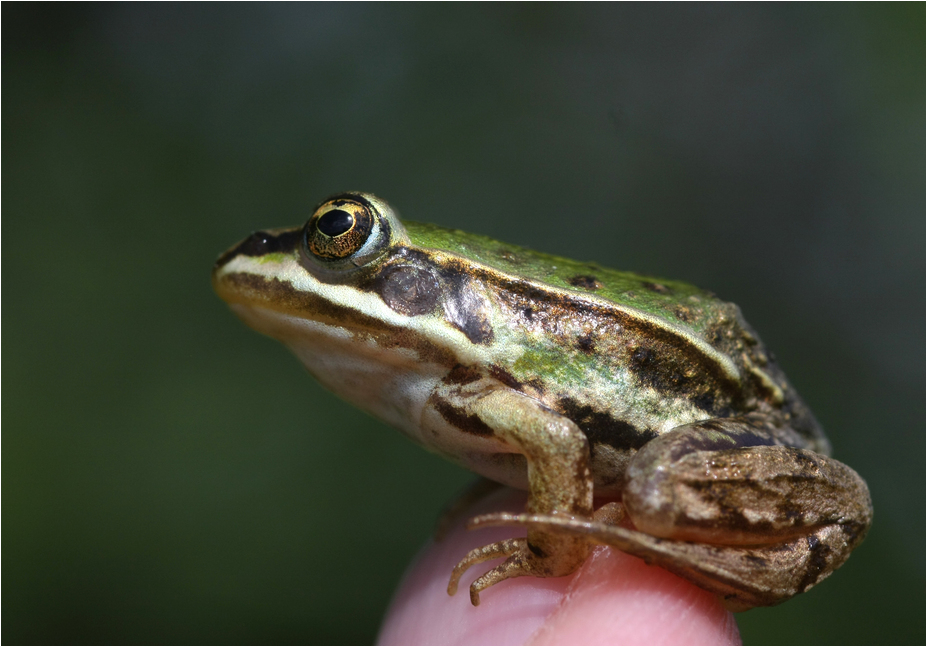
625	356
672	301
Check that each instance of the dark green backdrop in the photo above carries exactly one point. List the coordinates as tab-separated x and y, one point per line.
170	476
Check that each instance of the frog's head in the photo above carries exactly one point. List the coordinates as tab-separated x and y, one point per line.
351	294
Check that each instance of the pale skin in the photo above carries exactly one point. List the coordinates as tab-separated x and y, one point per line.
613	598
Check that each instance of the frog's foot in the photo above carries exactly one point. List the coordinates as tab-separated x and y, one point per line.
540	554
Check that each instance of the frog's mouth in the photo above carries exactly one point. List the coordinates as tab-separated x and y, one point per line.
272	293
308	322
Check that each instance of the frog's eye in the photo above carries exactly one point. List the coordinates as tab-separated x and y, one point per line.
339	228
347	232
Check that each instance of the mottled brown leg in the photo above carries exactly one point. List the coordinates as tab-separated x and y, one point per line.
743	577
733	482
755	525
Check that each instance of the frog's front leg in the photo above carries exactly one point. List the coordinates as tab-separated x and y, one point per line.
560	486
728	505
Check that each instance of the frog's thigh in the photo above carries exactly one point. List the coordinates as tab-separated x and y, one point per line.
755	524
717	482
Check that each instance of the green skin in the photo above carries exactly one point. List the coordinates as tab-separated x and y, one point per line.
568	380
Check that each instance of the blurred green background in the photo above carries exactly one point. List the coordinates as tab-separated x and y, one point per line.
171	476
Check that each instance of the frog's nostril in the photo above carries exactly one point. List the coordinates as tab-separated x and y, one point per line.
260	243
257	244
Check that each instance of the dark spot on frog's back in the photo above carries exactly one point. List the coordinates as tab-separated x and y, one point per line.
653	371
601	428
586	344
260	243
585	282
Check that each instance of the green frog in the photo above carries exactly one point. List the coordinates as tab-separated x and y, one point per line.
570	381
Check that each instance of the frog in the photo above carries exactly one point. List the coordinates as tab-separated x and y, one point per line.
575	382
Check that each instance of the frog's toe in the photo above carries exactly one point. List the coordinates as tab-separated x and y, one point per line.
610	514
476	556
546	522
515	566
498	519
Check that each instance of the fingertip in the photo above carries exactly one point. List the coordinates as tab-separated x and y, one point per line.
613	598
617	599
422	613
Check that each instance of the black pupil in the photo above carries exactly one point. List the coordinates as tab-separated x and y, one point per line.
335	222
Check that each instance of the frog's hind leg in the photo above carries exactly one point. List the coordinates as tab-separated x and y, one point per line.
742	577
725	504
